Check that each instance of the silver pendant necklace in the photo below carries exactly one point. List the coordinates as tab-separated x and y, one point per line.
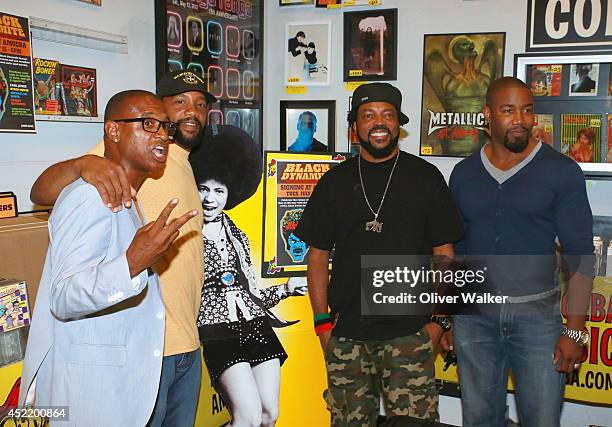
375	225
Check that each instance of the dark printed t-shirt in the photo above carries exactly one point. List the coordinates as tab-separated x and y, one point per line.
418	214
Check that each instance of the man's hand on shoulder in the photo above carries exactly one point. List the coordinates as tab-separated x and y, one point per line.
109	179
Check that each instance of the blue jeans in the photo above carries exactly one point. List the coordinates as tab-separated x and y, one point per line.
179	390
487	346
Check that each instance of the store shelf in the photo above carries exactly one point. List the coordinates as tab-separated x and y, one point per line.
58	32
51	118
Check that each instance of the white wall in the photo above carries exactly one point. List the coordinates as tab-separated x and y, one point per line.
416	18
24	156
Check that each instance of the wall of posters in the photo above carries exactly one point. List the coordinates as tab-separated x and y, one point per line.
289	180
16	94
222	42
457	71
308	57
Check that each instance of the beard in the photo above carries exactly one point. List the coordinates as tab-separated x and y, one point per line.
187	142
378	153
519	144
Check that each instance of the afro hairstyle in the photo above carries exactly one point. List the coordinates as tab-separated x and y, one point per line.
230	157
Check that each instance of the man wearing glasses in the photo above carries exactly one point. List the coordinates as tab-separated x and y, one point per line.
181	269
96	341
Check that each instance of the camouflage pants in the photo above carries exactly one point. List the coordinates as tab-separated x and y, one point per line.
402	369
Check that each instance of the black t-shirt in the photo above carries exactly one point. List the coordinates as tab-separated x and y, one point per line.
418	214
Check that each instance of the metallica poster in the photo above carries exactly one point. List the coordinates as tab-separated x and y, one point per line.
457	70
222	42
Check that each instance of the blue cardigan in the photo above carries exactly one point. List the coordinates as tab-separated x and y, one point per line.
523	216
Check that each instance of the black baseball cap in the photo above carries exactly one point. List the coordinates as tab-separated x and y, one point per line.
180	81
377	92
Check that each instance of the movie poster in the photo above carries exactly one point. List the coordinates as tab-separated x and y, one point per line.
581	137
78	91
16	94
457	71
543	128
290	179
545	80
223	43
47	86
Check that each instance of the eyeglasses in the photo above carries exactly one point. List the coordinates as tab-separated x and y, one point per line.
151	125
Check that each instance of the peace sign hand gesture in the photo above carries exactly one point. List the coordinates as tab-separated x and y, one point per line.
154	239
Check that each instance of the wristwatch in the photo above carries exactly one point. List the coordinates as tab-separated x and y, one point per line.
444	322
581	337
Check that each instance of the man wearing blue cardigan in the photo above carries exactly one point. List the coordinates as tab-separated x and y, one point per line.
516	198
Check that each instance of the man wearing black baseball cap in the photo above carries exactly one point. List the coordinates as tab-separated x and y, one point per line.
181	270
186	98
381	202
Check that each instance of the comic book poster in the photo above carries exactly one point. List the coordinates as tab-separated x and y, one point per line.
46	86
457	70
16	92
581	137
583	79
290	179
14	309
543	128
545	80
78	91
221	41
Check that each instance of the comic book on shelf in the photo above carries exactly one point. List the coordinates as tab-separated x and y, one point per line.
581	137
78	91
546	80
46	86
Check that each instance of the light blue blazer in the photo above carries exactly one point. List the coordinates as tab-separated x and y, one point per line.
97	336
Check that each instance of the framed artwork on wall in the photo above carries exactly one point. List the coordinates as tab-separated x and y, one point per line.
308	57
370	45
457	71
222	43
308	126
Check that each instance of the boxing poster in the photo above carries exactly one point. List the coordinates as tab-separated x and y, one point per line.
457	71
16	86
